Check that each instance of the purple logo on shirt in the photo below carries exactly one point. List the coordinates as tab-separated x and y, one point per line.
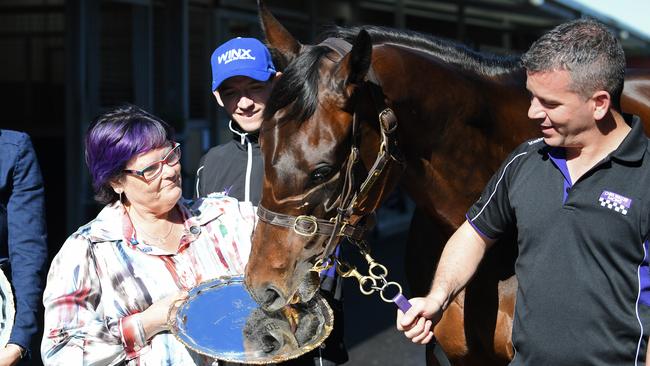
615	201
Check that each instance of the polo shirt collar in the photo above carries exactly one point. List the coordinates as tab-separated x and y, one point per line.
631	149
635	143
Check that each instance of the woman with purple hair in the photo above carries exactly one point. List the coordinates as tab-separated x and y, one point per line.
112	284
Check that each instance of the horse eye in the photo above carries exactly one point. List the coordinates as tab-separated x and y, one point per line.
320	174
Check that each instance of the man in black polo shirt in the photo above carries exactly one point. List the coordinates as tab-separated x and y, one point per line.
580	200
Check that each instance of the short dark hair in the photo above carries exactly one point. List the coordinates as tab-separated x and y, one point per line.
585	48
116	137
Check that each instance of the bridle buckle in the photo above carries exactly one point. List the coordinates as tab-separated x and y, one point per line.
310	231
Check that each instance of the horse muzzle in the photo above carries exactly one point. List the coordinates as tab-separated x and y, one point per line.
273	298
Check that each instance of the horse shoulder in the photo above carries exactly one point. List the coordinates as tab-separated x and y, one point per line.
636	95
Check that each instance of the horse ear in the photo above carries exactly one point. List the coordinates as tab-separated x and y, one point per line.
354	67
277	36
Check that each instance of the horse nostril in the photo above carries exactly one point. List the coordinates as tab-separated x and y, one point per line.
270	344
271	299
270	296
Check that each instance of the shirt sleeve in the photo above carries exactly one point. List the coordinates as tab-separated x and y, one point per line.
26	241
492	215
232	230
76	330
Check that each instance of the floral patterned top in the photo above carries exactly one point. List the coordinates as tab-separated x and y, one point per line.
103	277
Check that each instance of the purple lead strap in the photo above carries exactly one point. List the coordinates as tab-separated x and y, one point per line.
402	302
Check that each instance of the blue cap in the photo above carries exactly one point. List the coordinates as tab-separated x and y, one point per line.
241	57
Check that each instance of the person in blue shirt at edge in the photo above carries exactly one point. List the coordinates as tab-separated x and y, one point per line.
243	74
23	247
580	202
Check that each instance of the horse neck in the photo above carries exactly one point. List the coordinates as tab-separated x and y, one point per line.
456	125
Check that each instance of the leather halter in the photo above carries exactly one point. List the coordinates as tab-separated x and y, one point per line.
308	225
341	225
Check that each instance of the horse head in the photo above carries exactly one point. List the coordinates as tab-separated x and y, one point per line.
309	164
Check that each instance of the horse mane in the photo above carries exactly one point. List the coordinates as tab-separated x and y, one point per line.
298	86
448	51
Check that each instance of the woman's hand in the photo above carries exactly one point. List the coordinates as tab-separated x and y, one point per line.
154	319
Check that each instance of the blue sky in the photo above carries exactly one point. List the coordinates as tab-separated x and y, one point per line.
635	13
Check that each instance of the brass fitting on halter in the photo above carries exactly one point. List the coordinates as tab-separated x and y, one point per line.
323	264
343	223
376	270
305	225
346	270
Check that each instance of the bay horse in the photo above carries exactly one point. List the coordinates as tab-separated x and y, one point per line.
455	115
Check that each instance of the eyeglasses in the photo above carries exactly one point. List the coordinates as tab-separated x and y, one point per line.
153	170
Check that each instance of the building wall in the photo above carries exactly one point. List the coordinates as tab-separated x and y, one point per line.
66	61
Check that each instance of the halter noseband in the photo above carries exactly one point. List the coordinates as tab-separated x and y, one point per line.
309	225
340	225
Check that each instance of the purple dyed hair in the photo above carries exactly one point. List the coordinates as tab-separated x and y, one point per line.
116	137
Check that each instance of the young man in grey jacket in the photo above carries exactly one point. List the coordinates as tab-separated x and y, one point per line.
242	78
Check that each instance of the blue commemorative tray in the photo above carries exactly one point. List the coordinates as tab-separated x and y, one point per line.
219	319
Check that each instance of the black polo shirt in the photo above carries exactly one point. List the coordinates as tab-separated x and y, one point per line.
584	282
